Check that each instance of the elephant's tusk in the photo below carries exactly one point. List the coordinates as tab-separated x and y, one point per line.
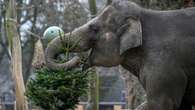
142	106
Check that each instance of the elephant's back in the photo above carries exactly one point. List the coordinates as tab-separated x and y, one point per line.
173	33
164	27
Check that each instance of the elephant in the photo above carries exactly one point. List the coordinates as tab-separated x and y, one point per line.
158	47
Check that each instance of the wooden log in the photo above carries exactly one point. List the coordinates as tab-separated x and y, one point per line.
79	107
117	107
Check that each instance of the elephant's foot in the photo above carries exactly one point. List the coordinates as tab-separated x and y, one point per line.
185	105
145	105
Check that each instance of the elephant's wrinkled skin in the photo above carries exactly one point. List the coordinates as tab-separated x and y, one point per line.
156	46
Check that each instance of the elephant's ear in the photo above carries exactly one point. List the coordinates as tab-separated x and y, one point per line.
130	35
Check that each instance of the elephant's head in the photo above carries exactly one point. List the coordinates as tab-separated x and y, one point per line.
115	30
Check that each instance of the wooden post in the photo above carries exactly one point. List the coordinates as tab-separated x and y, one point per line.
16	56
92	7
93	98
109	2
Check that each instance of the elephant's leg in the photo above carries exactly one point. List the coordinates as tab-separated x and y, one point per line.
165	98
165	87
165	95
185	105
160	103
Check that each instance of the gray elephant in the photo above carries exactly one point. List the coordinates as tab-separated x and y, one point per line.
156	46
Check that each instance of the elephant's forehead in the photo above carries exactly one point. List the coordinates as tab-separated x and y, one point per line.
86	25
106	12
99	19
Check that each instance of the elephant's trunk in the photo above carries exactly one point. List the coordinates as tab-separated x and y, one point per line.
77	41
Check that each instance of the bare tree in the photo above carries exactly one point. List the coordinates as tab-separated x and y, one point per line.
16	53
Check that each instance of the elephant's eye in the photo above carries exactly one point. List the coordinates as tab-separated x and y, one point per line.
94	28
